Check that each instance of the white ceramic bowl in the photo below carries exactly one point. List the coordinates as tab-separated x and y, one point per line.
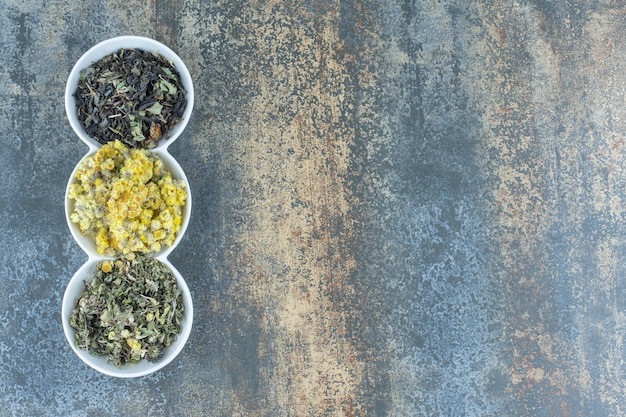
88	244
99	363
75	285
109	46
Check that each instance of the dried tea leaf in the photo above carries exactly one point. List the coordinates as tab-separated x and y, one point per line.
127	84
155	108
167	87
131	310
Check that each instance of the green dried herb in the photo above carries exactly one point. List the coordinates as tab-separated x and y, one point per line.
131	95
131	310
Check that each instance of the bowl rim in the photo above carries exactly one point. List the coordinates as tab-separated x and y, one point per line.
87	243
109	46
99	363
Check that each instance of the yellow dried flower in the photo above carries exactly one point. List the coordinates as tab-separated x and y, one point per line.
121	195
159	234
107	266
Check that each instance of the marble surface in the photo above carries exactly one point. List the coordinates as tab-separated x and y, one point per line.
401	208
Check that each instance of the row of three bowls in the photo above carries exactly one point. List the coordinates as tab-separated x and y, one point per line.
76	284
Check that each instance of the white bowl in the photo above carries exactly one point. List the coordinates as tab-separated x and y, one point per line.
88	244
99	363
109	46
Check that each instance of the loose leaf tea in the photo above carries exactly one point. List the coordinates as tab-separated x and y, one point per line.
131	310
132	95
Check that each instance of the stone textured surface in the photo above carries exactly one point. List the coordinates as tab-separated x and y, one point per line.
401	208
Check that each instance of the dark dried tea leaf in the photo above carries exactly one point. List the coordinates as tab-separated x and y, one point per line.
126	94
131	310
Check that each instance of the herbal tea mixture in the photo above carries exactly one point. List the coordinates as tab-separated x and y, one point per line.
133	96
131	310
127	201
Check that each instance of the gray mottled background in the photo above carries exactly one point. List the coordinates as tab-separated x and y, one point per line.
401	208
